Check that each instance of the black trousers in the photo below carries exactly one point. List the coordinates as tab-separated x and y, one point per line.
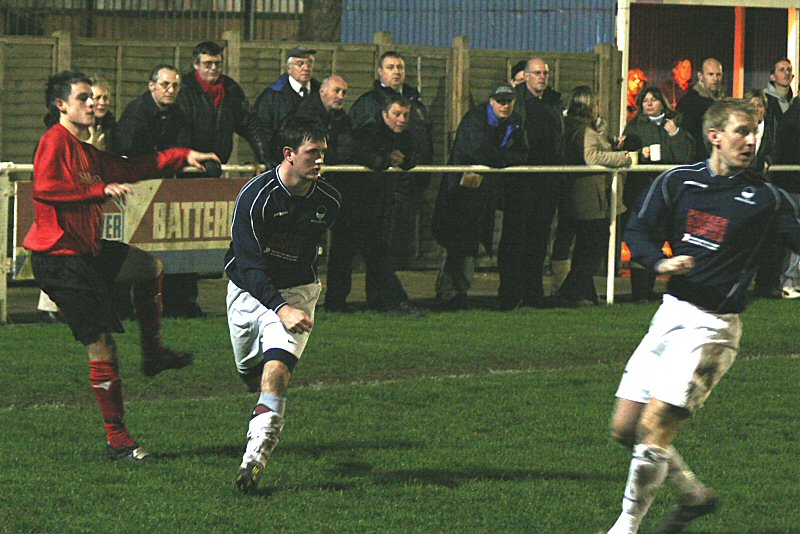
179	292
528	208
351	235
591	244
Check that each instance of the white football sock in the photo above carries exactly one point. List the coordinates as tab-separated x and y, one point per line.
646	475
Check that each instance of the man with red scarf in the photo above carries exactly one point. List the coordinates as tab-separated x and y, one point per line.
216	108
71	181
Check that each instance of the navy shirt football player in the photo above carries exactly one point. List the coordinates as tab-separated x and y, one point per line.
275	236
721	221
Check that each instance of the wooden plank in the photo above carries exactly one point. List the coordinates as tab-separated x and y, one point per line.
3	108
63	50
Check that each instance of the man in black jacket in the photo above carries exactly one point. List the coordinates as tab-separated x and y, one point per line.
787	152
530	200
367	110
492	135
326	107
152	122
216	107
698	99
368	214
281	99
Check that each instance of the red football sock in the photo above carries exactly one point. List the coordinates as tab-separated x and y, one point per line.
148	303
107	387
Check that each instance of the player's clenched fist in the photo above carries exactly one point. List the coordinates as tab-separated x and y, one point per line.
295	321
675	265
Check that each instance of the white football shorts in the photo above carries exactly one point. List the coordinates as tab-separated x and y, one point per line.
684	354
254	328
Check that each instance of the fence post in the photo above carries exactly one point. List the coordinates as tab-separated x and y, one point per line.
608	84
384	42
233	62
460	82
3	111
5	261
612	238
63	56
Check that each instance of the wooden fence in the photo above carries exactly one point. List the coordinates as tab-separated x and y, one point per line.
450	80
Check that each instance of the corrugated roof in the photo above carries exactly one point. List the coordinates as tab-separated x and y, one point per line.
543	25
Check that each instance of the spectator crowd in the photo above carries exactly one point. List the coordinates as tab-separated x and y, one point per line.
557	217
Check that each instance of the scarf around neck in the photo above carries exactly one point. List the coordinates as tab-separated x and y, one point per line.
494	121
216	91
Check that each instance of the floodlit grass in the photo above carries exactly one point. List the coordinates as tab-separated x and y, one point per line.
460	422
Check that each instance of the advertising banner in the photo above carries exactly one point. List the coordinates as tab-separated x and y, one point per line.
185	222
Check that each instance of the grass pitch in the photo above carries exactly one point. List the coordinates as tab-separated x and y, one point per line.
459	422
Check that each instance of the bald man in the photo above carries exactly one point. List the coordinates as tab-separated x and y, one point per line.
530	200
326	106
698	99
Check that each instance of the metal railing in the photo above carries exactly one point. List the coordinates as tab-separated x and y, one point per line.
7	169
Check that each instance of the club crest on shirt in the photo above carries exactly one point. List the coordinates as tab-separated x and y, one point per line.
319	216
747	195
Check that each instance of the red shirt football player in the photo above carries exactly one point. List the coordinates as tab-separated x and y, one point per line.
71	181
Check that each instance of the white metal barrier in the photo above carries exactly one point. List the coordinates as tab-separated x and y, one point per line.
7	169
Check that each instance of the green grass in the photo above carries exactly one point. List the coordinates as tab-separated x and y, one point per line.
459	422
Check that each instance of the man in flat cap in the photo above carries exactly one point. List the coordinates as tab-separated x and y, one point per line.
281	99
490	134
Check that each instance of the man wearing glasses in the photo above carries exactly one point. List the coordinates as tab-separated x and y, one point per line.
530	200
281	99
153	121
216	107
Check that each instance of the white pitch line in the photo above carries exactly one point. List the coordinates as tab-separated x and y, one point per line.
390	381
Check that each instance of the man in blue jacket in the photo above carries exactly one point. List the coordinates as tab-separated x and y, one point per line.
490	134
717	216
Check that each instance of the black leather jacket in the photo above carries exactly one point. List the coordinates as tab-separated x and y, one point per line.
211	128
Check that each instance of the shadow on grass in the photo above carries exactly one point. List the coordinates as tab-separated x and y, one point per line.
310	450
317	450
450	479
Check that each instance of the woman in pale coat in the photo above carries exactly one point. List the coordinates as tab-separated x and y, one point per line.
587	202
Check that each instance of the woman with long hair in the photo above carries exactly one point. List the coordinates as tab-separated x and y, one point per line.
587	197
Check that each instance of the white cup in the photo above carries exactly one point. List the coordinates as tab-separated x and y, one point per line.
655	152
634	157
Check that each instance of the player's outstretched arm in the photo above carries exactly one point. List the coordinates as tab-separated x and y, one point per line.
294	320
675	265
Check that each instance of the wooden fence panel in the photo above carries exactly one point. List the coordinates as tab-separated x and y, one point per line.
26	62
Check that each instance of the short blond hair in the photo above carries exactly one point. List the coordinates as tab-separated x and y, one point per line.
717	116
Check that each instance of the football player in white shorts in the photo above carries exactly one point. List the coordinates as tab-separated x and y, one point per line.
716	215
278	220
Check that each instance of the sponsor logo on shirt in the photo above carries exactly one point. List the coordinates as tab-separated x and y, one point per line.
705	229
